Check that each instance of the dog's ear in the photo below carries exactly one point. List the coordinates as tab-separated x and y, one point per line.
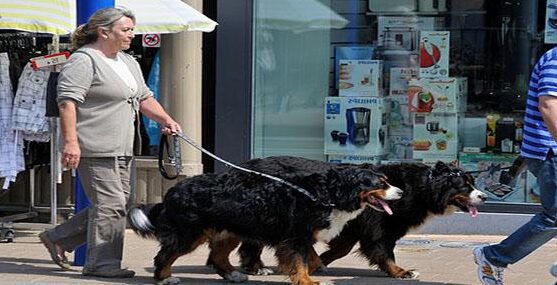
441	167
358	176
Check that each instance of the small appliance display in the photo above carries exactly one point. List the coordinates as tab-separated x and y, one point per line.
403	33
399	78
436	136
400	147
400	119
360	78
353	52
437	95
434	54
488	180
356	126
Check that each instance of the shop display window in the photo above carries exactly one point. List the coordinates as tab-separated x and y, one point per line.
451	78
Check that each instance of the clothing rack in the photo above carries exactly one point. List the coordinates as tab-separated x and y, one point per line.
20	41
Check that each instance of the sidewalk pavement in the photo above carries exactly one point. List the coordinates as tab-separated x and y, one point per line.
440	259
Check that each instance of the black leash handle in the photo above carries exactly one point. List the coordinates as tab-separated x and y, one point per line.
174	159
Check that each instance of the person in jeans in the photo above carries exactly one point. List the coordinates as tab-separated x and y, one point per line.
538	148
100	92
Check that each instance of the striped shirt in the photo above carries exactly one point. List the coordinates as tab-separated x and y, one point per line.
543	82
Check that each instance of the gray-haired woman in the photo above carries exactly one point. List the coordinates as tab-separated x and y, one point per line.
100	91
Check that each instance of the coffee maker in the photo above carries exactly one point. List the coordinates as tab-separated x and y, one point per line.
357	125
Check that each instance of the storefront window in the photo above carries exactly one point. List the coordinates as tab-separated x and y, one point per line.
400	80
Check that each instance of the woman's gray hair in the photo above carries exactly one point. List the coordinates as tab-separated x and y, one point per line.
104	18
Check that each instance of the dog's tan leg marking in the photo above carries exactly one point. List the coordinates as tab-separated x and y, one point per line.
166	269
314	260
396	271
296	269
220	251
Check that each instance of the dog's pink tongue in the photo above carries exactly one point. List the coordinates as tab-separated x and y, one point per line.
385	206
472	211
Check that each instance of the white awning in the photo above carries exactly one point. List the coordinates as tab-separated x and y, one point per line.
166	16
39	16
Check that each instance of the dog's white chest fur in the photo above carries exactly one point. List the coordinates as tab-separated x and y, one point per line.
338	220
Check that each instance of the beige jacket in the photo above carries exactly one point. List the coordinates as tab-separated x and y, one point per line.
106	108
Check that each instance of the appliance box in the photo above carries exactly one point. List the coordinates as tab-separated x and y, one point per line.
400	147
360	78
400	119
399	78
356	126
393	5
437	95
434	54
353	52
490	166
436	135
354	159
403	33
448	159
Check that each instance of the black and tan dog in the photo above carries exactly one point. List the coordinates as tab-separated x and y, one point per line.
255	208
427	192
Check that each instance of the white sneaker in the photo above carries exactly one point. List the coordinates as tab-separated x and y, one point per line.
488	273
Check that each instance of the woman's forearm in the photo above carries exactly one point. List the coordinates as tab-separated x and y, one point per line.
68	120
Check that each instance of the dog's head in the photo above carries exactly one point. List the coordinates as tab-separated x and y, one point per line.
455	187
371	187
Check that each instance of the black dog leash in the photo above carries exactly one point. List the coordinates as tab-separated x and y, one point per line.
280	180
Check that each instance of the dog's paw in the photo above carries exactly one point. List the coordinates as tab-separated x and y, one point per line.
410	274
264	271
169	281
236	277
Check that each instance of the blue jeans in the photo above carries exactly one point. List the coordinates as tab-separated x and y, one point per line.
541	228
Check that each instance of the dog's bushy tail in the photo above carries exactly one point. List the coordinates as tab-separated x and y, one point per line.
142	219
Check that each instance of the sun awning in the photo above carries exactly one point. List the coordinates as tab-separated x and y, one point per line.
39	16
166	16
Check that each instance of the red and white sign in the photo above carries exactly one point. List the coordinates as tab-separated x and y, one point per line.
48	60
151	40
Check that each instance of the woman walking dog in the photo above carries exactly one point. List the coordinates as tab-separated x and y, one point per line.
100	92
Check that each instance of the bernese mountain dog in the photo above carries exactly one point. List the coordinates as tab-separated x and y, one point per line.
427	192
250	207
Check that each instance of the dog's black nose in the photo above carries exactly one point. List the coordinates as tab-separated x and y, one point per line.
482	196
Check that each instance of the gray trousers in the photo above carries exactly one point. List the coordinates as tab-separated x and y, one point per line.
106	181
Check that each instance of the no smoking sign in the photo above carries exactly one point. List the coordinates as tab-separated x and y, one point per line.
151	40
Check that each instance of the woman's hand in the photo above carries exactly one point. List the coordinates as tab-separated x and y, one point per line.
171	127
70	155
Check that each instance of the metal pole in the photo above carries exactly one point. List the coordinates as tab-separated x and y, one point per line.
85	8
53	170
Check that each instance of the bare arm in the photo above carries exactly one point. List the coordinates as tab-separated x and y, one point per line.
70	152
548	109
154	111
